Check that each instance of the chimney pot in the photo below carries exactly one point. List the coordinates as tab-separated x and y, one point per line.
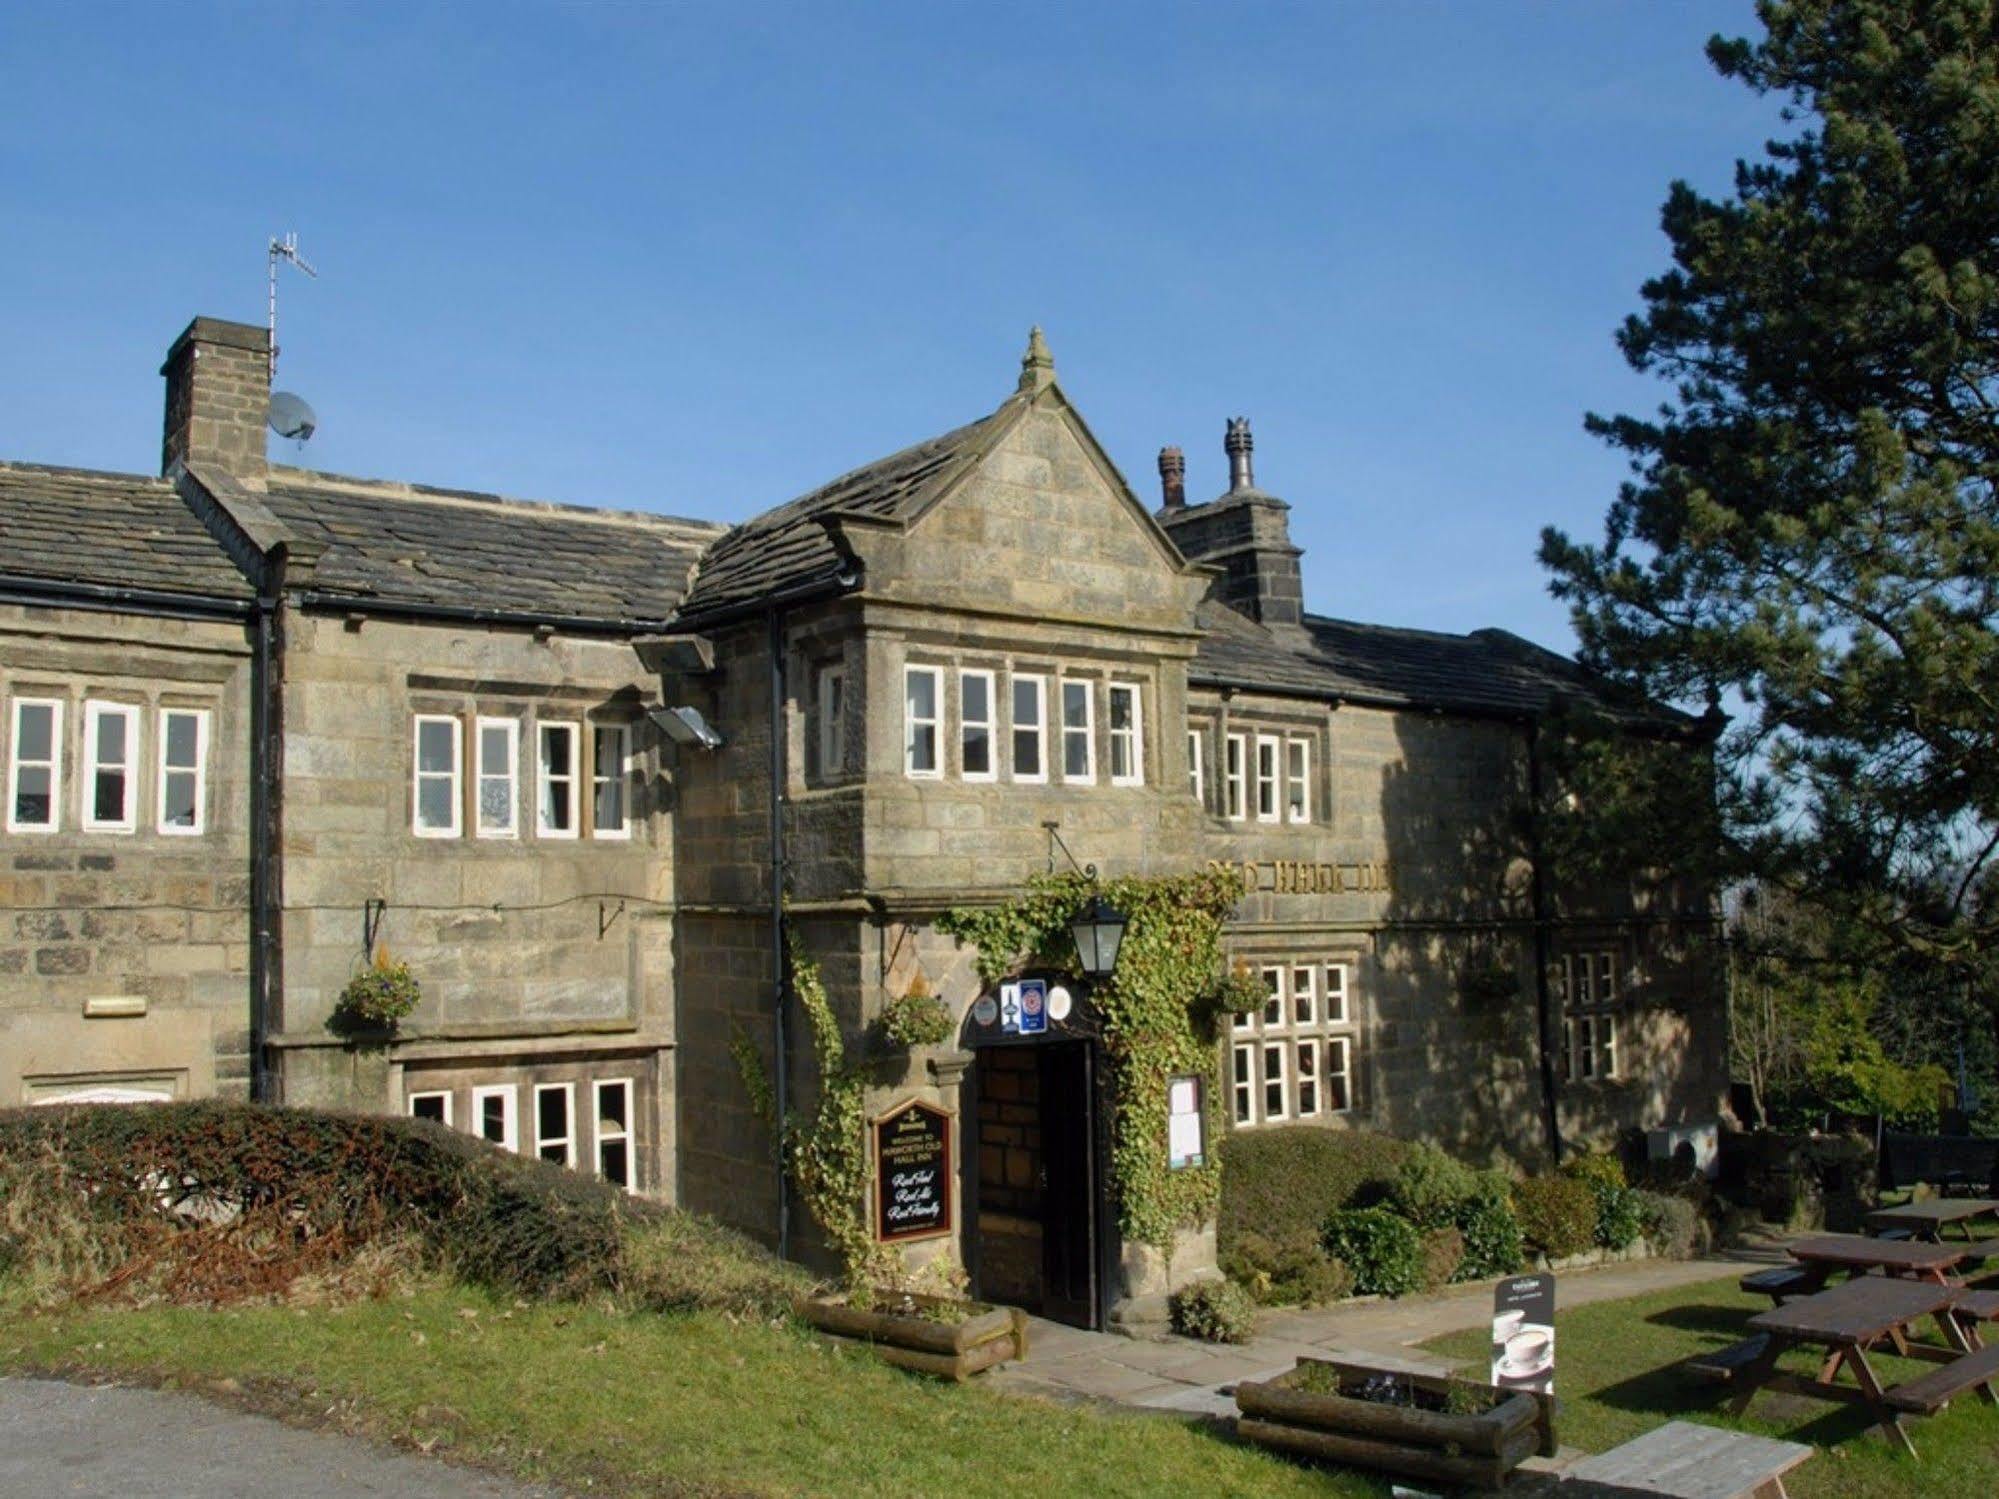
1237	444
1173	478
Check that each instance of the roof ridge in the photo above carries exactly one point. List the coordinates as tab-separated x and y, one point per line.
403	489
71	471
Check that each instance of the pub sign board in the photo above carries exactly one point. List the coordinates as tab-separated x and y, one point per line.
912	1145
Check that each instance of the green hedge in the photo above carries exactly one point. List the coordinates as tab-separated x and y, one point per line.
1557	1214
293	1187
1385	1252
1282	1182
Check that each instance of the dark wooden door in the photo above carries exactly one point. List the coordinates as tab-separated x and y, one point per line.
1069	1161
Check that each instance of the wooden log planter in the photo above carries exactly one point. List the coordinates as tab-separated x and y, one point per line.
1442	1430
936	1335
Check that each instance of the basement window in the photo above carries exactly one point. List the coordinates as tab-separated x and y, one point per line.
183	736
493	1115
435	795
432	1106
1127	736
499	742
611	750
614	1132
34	766
555	1123
110	767
555	780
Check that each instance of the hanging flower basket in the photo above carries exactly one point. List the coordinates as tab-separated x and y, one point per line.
378	997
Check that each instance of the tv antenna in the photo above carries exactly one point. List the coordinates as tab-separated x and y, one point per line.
283	249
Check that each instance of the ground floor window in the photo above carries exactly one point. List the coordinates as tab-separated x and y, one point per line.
1592	998
1293	1057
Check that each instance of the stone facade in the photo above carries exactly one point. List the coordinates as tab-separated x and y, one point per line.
920	687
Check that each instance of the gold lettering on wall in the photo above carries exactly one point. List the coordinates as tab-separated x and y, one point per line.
1301	877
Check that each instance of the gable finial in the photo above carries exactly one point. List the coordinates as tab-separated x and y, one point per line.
1037	365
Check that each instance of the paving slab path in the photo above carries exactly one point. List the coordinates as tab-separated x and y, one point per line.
1180	1374
67	1440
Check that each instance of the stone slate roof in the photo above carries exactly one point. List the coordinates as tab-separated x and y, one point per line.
789	547
111	530
1486	672
414	545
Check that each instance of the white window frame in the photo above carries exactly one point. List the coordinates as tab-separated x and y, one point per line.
1274	998
1235	774
482	773
566	1141
1297	779
628	1135
1339	990
1039	729
199	770
1242	1081
832	711
1310	1050
934	723
1134	736
1280	1048
443	1093
1267	780
621	735
1304	1002
545	781
95	711
1087	730
509	1095
1591	997
456	776
1197	777
990	723
1344	1072
15	764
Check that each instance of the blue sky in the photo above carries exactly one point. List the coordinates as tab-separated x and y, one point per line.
701	258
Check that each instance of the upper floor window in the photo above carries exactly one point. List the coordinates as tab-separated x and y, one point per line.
556	768
1266	778
1590	1015
610	760
1030	702
183	770
1197	778
1298	780
832	720
923	706
1079	732
975	725
435	795
34	766
499	742
110	767
1235	754
1127	735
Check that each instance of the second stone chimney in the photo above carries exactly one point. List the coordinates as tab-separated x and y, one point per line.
218	397
1246	533
1173	478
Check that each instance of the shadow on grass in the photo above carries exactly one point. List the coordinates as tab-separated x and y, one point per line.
1728	1322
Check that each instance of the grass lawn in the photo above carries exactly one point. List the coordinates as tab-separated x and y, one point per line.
1615	1382
644	1403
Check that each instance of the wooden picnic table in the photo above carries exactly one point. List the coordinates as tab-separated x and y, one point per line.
1687	1461
1822	1254
1928	1219
1847	1320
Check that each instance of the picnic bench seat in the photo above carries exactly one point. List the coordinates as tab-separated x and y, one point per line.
1723	1364
1977	1306
1682	1460
1778	1282
1930	1392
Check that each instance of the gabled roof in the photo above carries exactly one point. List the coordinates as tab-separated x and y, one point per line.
1488	672
72	525
791	547
413	545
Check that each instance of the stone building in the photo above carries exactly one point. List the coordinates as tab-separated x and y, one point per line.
580	769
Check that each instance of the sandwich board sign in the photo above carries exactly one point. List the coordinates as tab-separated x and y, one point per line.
1523	1334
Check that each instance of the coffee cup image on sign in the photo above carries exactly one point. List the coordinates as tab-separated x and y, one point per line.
1504	1326
1529	1351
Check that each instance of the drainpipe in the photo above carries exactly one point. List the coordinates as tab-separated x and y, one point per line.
263	799
1543	1002
781	1067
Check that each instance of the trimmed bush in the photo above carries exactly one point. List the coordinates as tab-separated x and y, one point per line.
1672	1224
1619	1222
217	1200
1443	1252
1431	1188
1291	1270
1383	1252
1217	1311
1557	1214
1491	1231
1277	1182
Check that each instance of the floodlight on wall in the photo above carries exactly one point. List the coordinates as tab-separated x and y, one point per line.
685	726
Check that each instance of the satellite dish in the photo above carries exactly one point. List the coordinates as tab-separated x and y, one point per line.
291	417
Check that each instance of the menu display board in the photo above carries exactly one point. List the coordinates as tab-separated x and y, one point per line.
912	1146
1523	1334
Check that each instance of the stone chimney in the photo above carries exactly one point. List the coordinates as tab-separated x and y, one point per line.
1246	533
1173	478
218	397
